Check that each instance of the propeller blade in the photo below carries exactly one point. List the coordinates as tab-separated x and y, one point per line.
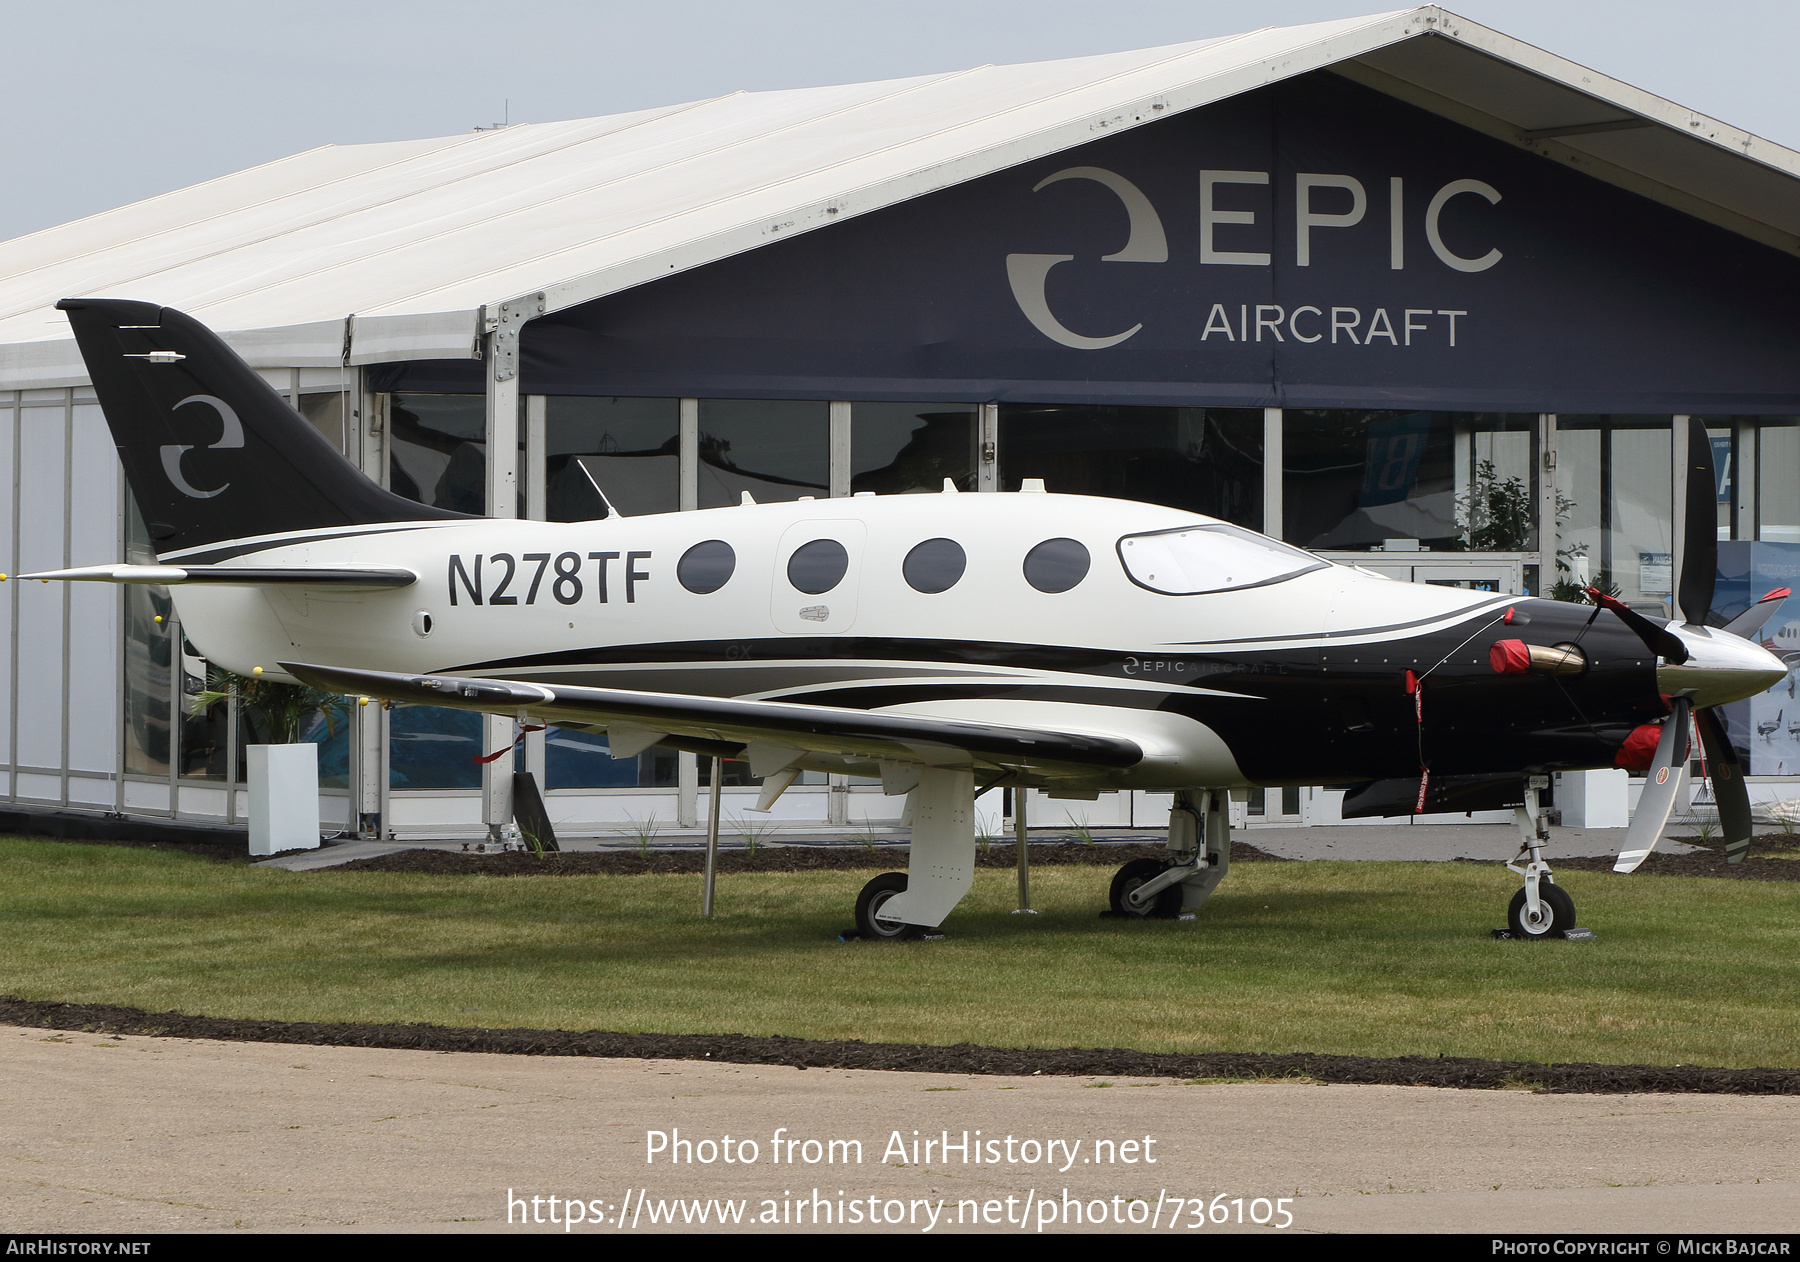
1729	791
1748	623
1700	553
1660	642
1660	786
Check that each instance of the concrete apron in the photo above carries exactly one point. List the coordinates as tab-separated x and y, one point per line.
143	1134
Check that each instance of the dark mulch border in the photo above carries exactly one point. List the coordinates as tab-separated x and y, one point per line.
766	859
962	1058
1771	857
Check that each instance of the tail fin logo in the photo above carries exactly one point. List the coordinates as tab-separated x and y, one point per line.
231	434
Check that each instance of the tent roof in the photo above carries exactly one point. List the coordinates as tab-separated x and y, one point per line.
408	249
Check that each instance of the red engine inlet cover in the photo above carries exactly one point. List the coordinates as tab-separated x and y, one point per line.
1639	749
1510	657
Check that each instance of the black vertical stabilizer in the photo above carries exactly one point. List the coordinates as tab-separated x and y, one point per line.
211	451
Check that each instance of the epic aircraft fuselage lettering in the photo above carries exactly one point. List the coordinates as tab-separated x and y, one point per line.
564	571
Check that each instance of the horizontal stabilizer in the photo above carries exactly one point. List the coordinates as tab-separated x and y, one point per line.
845	735
364	578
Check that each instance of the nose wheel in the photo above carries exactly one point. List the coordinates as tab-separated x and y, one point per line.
1555	913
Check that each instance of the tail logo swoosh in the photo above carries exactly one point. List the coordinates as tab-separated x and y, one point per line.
231	434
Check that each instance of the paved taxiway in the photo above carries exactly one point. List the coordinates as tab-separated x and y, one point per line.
143	1134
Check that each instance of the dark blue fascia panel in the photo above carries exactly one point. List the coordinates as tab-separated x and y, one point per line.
1599	301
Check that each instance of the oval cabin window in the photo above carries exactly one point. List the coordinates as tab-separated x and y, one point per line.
706	567
1056	565
817	567
934	566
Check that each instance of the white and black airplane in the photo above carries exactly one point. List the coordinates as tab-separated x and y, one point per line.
945	643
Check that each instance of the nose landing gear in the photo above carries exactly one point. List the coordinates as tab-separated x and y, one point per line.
1543	909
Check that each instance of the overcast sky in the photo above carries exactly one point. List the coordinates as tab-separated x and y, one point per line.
112	101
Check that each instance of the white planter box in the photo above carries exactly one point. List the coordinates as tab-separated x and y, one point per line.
284	798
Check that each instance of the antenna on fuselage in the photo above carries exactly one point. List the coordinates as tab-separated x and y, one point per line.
611	510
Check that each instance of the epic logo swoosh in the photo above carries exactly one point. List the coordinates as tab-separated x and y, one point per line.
1146	243
231	434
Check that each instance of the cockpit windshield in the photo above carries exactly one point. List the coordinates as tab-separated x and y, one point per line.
1189	560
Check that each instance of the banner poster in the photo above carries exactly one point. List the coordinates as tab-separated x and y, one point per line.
1766	728
1310	244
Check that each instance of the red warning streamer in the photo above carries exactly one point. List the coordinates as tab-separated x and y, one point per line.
501	753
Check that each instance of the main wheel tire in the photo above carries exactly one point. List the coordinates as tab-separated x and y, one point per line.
869	904
1165	906
1558	911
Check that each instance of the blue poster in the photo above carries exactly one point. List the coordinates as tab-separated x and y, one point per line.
1766	728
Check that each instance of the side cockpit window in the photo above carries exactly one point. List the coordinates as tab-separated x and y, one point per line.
1189	560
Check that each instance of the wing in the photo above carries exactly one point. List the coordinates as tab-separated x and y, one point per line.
776	736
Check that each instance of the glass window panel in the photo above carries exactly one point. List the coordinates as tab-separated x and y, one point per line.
1453	481
148	649
574	759
628	449
1204	460
737	775
40	645
900	447
326	412
331	733
93	607
7	559
774	449
437	450
1729	456
205	725
433	748
1778	479
1615	497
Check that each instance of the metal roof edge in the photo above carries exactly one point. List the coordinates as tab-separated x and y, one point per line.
1615	92
1381	31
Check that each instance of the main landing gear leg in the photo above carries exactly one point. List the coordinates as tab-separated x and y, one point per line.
1542	909
940	861
1199	857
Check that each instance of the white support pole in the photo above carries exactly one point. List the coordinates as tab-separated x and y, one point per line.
369	726
712	835
687	789
1743	478
1022	860
537	426
690	454
1546	506
502	350
1678	481
840	450
987	448
1272	506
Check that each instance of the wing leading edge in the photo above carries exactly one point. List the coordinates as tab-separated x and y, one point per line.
777	735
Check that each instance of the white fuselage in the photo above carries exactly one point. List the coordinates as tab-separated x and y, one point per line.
486	604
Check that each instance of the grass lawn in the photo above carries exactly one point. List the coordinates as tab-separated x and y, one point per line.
1374	959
